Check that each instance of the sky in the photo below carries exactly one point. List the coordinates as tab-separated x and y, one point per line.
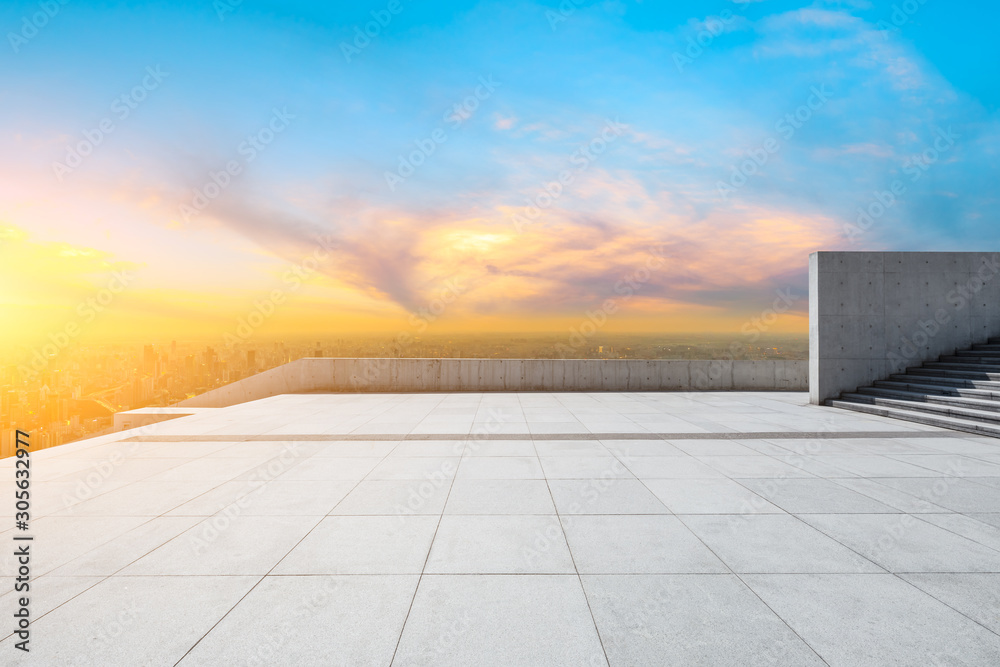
199	168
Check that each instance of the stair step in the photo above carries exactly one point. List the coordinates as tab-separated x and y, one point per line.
921	397
949	373
969	359
958	391
989	354
963	366
945	410
981	428
940	389
946	381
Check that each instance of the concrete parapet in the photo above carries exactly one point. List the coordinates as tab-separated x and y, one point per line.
449	375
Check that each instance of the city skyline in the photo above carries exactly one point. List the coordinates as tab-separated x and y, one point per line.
75	393
474	167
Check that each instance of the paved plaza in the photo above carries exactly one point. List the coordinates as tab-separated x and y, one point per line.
515	529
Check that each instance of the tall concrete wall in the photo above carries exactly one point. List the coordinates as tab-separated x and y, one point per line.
429	375
872	314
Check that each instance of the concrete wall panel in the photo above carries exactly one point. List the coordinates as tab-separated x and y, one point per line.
873	313
505	375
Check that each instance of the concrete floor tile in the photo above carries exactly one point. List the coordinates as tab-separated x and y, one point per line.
671	467
362	449
621	544
975	595
874	620
140	499
902	502
45	593
903	543
503	496
753	466
709	496
517	544
117	553
575	448
415	468
133	620
328	468
311	620
363	545
814	496
774	543
584	467
713	448
992	519
629	448
689	620
68	538
223	545
953	493
400	497
275	497
500	448
500	467
966	526
500	620
605	496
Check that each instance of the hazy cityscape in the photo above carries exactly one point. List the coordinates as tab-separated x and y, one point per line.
76	393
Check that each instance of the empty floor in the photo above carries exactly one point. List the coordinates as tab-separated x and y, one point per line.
515	529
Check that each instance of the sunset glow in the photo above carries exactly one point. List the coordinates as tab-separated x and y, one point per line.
202	171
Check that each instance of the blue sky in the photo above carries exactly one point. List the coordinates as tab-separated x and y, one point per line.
874	85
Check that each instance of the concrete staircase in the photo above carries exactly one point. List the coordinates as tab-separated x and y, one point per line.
959	391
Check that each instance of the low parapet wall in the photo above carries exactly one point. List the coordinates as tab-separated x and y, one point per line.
450	375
